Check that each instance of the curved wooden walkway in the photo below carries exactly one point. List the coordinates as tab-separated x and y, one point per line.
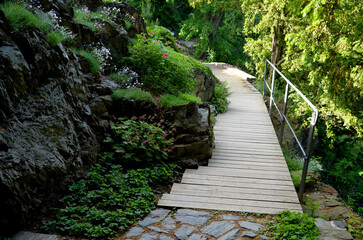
247	171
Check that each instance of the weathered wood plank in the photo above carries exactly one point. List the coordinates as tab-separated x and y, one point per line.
244	173
247	162
249	167
235	202
240	180
220	192
213	206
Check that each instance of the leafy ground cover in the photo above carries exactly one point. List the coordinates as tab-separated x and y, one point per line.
110	197
291	225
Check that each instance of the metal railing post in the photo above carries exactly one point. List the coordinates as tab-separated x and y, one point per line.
272	91
284	114
308	152
264	80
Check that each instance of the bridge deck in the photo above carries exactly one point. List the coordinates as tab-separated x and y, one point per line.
247	171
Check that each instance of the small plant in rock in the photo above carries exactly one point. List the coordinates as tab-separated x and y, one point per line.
22	15
91	58
169	100
219	99
136	142
133	93
292	225
312	207
126	78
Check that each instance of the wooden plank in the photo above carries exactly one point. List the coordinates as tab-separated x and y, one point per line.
251	141
235	202
245	173
246	135
182	189
213	206
240	182
257	158
251	188
249	167
247	162
247	145
242	150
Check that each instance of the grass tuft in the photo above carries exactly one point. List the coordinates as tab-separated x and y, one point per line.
133	93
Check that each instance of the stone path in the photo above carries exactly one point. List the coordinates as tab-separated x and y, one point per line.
186	224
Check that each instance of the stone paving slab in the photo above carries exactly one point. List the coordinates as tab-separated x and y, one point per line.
187	224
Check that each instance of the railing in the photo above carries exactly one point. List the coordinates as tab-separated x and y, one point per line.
307	151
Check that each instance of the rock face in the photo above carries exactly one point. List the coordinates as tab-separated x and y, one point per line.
49	134
54	113
205	85
194	141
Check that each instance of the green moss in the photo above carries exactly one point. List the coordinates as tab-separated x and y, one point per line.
133	93
190	98
169	100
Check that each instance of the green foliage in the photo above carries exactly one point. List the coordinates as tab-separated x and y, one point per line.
190	98
55	37
219	31
169	100
19	16
164	35
291	225
312	207
323	59
219	99
355	226
168	13
108	200
133	93
91	58
161	69
84	16
341	166
135	142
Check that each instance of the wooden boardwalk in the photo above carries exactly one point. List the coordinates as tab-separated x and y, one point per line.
247	171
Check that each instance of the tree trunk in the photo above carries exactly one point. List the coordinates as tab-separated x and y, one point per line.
277	43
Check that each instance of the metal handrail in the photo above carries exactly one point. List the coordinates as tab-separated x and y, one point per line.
306	152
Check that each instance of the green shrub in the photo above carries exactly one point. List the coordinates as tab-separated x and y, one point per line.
163	70
164	35
91	58
219	99
133	93
136	142
291	225
107	200
169	100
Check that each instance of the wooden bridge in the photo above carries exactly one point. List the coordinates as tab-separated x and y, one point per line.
247	171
